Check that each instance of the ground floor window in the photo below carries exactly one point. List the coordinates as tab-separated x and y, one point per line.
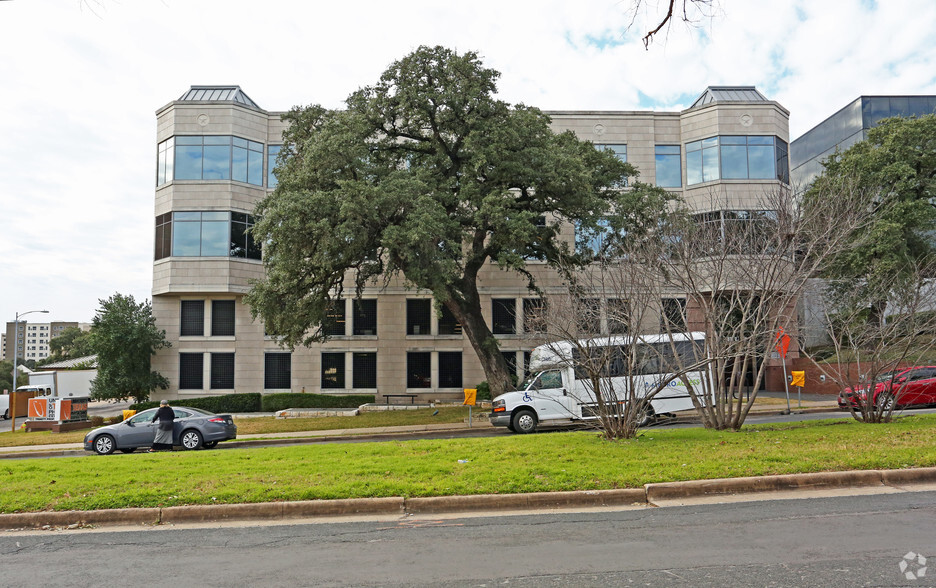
364	368
277	371
222	371
191	371
333	370
450	369
419	369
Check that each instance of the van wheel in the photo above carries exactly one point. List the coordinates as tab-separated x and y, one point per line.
6	414
645	416
524	421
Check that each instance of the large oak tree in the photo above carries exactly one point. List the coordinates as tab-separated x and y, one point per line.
428	175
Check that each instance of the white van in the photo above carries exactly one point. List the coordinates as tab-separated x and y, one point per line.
554	396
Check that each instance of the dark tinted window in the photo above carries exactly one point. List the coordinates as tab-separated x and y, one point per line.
333	370
193	318
365	317
418	369
335	318
502	316
448	324
191	371
450	369
277	370
364	367
418	315
222	371
222	318
533	318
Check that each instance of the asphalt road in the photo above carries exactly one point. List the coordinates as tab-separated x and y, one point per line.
827	542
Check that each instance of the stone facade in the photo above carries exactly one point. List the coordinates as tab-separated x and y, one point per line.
239	362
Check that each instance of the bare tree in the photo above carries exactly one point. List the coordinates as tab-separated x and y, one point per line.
870	354
742	272
609	317
689	12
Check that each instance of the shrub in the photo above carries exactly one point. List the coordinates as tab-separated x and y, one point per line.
217	404
484	391
276	402
97	421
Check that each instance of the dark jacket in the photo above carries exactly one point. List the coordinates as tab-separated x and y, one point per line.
165	416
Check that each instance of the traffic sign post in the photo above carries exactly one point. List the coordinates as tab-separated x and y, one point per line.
782	346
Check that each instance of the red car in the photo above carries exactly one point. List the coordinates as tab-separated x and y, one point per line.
915	386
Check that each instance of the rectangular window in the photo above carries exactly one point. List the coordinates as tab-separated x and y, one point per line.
450	369
534	320
673	315
222	318
419	369
211	157
333	370
193	318
511	358
365	317
448	324
618	316
503	316
737	157
334	325
589	316
619	150
191	371
243	244
418	314
668	166
277	371
272	154
163	235
164	161
222	371
364	370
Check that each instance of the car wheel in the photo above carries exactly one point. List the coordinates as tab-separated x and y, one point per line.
104	445
209	444
645	416
128	450
191	439
524	421
888	403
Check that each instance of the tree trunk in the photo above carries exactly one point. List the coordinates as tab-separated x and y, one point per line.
467	310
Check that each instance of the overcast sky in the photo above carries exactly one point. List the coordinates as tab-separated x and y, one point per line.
80	83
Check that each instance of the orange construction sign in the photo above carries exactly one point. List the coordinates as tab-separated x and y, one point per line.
783	343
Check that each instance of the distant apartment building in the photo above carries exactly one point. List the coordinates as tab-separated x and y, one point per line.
215	152
33	339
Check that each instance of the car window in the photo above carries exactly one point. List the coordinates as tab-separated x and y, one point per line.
181	414
143	417
550	379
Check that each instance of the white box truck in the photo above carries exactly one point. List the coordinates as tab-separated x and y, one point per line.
61	384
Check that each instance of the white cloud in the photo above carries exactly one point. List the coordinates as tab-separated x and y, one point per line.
80	89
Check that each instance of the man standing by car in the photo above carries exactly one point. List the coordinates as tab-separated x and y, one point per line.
165	416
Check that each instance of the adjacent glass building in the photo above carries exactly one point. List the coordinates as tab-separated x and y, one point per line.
847	127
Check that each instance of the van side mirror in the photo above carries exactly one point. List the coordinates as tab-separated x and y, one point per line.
565	392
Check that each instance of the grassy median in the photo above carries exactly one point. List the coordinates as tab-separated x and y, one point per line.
532	463
261	425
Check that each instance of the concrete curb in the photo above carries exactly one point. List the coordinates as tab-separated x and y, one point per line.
399	506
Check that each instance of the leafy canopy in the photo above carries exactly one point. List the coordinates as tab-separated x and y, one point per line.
427	175
896	168
124	337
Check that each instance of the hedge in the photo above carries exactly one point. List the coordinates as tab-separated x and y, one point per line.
216	404
275	402
235	403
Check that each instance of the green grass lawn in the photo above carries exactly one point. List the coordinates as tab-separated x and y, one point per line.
576	460
246	426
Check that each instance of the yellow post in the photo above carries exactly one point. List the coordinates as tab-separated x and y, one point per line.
798	380
471	394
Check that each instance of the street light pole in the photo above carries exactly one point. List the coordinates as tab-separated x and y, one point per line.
15	367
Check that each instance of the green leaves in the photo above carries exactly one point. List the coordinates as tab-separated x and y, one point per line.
124	337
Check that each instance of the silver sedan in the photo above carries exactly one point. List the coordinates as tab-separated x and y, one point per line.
193	428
